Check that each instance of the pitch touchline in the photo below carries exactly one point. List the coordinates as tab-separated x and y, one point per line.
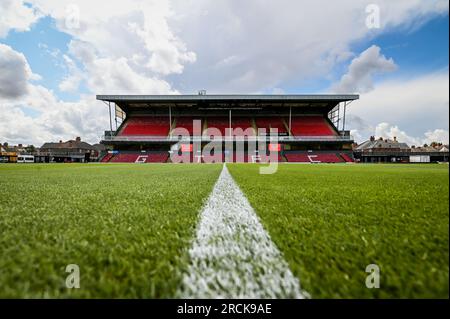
232	255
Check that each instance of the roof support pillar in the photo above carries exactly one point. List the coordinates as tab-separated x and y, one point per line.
230	121
290	119
110	120
338	115
170	120
115	114
343	121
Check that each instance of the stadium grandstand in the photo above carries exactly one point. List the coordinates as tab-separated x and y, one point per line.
300	128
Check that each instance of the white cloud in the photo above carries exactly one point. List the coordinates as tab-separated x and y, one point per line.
72	81
438	135
386	130
255	45
108	76
61	120
419	104
36	115
123	47
15	15
14	73
359	77
126	49
416	110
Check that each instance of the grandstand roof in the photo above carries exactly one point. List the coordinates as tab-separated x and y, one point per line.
225	100
292	98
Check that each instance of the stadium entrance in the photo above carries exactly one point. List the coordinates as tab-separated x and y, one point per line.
229	128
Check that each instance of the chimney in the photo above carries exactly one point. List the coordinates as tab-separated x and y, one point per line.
372	138
78	139
395	139
20	145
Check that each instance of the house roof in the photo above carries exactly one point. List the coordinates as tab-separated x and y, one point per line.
381	143
71	144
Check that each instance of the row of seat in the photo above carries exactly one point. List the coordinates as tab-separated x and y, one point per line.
146	125
317	157
159	126
154	157
107	158
237	157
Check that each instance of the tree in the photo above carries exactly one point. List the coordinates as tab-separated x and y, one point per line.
30	149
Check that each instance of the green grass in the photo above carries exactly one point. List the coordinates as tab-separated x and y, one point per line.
126	226
331	221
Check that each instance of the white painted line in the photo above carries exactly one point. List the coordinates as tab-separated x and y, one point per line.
232	255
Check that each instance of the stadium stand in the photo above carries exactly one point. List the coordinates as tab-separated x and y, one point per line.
347	158
157	157
313	157
271	122
125	158
310	135
311	126
327	158
263	158
146	125
244	123
297	158
210	160
107	158
136	157
187	123
220	123
241	157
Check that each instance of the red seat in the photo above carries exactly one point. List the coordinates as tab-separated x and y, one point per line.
151	157
244	123
271	122
347	158
146	125
311	126
327	158
107	157
297	158
223	123
125	158
312	157
220	123
266	158
157	157
187	123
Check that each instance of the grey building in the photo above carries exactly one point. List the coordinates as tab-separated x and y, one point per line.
69	151
382	151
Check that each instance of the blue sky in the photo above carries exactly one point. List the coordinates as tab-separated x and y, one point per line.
175	46
420	50
417	51
44	46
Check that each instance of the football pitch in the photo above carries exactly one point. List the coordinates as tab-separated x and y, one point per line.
130	227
